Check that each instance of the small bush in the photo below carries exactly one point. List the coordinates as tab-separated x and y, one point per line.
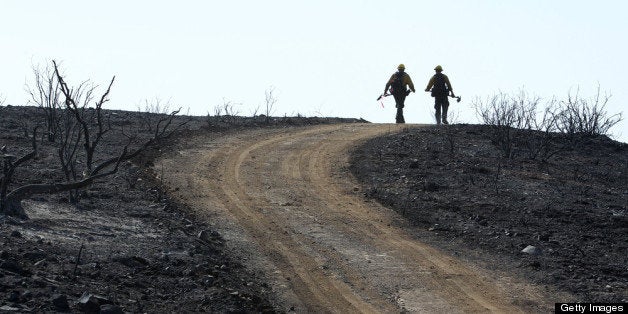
508	116
520	126
581	116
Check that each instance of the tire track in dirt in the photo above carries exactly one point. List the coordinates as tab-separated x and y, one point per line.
309	281
333	250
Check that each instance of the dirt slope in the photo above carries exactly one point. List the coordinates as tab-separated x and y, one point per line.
285	202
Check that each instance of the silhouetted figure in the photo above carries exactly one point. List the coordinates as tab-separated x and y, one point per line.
440	87
397	84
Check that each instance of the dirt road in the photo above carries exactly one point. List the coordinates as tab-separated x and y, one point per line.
286	204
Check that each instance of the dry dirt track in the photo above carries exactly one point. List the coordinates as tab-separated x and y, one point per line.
285	199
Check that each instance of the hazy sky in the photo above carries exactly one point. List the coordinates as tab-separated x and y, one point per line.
323	57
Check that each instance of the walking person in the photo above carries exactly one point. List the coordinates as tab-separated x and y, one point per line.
397	84
440	87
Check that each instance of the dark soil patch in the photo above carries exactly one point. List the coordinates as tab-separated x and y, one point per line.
454	184
126	245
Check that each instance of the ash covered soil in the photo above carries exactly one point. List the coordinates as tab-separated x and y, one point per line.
126	246
459	192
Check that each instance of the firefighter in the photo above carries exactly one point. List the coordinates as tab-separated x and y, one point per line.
440	87
397	84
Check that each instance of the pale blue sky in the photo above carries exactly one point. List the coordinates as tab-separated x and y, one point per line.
324	57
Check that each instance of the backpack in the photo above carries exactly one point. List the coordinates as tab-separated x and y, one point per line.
397	86
440	88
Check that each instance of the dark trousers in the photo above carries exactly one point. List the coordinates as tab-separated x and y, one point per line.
399	100
441	104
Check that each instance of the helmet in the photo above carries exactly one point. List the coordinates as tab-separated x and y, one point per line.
401	67
438	68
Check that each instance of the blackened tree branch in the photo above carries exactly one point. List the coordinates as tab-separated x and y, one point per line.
77	128
9	167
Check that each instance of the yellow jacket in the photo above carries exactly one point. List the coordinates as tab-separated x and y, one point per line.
406	80
430	84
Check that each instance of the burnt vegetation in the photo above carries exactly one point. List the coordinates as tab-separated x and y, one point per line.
525	126
75	125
